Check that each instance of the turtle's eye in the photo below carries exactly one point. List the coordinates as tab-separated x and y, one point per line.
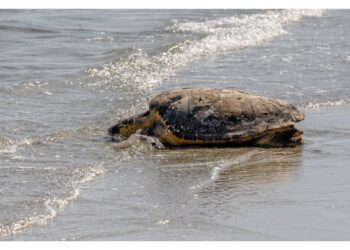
113	130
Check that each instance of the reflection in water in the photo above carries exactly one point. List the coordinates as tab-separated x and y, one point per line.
214	175
199	188
264	166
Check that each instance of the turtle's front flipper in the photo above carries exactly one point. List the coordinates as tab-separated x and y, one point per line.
139	140
284	137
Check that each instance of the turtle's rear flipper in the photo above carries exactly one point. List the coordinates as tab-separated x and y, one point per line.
286	137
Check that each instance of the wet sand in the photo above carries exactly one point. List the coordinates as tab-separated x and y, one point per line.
240	194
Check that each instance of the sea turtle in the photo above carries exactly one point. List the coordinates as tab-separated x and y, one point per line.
211	116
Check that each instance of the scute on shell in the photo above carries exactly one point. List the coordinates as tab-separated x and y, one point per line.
222	114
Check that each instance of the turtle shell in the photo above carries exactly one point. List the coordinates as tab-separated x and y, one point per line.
212	115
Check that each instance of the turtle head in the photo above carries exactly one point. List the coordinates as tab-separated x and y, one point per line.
127	127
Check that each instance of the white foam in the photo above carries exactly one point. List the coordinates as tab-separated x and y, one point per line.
33	86
270	19
86	174
11	146
218	167
20	225
141	72
162	222
311	105
100	39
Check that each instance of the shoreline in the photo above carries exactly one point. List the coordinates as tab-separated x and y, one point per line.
290	210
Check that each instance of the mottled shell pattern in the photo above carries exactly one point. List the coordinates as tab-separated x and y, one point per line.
222	114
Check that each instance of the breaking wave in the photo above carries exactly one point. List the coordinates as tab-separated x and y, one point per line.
312	105
271	21
80	176
141	72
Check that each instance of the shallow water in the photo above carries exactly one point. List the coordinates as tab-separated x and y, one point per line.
66	76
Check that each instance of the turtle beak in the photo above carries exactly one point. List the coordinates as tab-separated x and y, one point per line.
113	130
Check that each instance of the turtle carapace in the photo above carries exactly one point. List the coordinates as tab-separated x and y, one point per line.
203	116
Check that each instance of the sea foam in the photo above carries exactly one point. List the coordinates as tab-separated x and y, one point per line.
80	176
141	72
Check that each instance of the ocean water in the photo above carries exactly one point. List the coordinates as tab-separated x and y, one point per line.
67	75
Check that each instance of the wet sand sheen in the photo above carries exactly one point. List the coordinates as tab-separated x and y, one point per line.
253	193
